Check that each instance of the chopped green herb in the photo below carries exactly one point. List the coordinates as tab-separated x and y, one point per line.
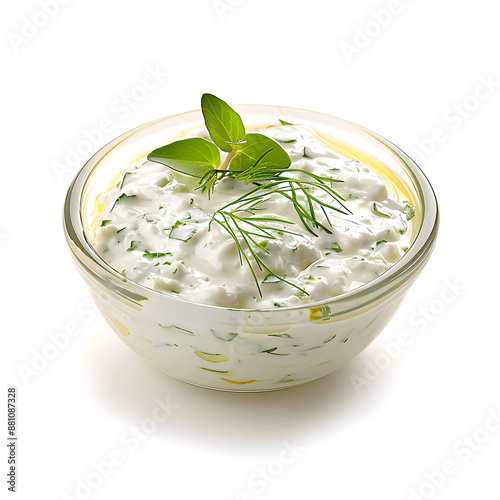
304	154
156	255
381	242
288	142
283	122
270	350
409	211
105	222
133	245
336	247
281	335
328	339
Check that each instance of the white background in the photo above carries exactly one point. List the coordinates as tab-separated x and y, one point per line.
417	78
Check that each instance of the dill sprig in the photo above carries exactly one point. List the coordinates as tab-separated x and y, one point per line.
240	220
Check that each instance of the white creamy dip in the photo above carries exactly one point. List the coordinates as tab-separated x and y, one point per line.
155	231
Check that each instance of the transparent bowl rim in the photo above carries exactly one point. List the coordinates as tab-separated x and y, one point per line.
401	273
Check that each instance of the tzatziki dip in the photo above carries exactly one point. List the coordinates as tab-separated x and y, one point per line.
241	245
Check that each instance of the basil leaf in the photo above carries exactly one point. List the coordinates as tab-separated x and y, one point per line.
255	146
223	123
195	156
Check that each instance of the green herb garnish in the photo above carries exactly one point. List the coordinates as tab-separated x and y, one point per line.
223	123
193	156
155	255
133	245
201	158
105	222
409	211
256	159
336	247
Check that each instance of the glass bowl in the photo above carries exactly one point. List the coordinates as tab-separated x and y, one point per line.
247	349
